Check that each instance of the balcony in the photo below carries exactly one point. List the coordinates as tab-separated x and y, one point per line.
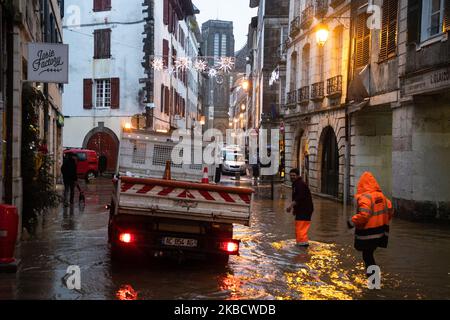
321	8
292	98
303	95
317	91
334	87
307	17
295	27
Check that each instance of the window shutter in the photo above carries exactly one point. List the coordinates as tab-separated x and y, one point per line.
162	99
388	38
97	5
107	43
115	93
414	20
170	18
447	16
166	52
102	44
87	93
362	43
166	100
166	12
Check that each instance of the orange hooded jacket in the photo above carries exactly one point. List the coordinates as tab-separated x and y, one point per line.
374	211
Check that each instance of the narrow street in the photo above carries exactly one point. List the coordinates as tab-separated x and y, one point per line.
415	266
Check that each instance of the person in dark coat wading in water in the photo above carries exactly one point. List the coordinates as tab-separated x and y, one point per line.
302	207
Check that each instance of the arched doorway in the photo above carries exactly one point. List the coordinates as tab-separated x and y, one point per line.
330	163
302	156
106	144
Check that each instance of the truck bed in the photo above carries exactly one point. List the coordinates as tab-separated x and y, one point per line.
183	200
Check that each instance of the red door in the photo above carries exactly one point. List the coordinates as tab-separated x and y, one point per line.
106	146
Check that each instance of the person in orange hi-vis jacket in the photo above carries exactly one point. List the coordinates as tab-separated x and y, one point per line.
372	218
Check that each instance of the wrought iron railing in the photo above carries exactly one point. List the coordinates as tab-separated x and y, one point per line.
307	16
303	95
317	91
321	7
334	86
292	97
295	26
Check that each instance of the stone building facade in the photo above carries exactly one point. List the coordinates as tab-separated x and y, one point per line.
394	101
23	22
316	92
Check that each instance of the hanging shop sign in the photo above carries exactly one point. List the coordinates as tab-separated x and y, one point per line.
48	62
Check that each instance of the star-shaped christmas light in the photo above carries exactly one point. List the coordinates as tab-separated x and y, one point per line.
200	65
226	64
183	63
158	64
212	73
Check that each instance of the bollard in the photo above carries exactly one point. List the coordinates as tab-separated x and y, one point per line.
9	224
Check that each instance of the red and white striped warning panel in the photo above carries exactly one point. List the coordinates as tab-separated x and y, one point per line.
184	200
156	190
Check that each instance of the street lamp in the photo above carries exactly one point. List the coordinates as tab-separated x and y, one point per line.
322	34
243	107
245	85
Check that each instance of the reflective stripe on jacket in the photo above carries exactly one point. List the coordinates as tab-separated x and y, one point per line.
373	215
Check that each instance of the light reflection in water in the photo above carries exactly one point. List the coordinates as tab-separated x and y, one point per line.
126	292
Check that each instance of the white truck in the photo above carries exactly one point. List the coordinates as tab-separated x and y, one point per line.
179	217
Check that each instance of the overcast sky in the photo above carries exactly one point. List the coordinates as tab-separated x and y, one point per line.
237	11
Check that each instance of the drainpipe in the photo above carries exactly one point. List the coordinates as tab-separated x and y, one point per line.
348	119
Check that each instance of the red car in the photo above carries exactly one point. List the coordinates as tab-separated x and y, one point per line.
87	165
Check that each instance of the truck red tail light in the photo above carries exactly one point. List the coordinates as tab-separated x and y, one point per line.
230	246
126	238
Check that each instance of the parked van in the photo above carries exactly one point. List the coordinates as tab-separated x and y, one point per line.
87	165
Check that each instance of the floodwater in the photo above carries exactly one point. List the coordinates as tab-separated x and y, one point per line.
415	266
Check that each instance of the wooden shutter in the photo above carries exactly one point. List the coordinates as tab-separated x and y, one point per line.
388	38
87	93
102	5
102	44
414	20
162	98
170	18
97	5
447	16
362	41
166	12
115	93
166	100
166	52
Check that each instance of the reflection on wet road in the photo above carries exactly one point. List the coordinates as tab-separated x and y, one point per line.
270	266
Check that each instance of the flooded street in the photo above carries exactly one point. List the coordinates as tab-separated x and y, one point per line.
415	266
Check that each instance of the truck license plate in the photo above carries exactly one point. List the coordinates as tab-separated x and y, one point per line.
179	242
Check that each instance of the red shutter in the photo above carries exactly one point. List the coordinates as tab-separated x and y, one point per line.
166	12
87	93
166	52
162	99
170	18
166	100
97	5
115	93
